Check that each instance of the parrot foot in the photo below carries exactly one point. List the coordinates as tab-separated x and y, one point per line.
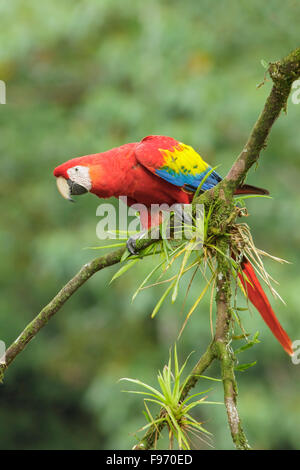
131	242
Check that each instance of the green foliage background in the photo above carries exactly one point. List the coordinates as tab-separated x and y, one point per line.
81	78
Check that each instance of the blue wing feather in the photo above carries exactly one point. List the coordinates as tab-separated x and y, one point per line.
190	181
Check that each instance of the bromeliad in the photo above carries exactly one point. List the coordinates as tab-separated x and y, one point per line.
159	170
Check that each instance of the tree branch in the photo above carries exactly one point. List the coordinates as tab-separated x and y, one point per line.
87	271
283	73
222	345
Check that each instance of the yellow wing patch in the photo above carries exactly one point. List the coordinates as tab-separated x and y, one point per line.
184	159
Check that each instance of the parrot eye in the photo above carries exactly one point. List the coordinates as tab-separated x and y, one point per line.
80	175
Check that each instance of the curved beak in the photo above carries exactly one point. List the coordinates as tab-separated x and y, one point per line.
64	188
68	188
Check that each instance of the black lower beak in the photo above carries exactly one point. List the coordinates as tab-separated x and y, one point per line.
75	188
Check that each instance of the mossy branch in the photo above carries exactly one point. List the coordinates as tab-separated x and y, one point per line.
42	318
283	73
222	347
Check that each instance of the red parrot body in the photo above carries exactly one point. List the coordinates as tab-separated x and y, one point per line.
158	170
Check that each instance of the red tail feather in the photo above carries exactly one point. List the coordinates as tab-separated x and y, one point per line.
260	301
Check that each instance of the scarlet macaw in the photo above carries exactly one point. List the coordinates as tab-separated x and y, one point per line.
158	170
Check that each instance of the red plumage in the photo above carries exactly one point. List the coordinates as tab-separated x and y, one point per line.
260	301
139	171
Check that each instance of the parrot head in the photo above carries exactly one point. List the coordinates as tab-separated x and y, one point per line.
102	174
74	177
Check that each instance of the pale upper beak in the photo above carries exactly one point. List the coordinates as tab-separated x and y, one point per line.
64	188
68	188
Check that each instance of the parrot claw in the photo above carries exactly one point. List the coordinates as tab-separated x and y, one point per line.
131	242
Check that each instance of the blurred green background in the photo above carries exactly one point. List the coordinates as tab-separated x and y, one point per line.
81	78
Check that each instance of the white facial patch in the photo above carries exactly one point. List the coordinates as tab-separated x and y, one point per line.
80	175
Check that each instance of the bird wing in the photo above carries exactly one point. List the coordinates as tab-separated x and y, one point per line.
175	162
